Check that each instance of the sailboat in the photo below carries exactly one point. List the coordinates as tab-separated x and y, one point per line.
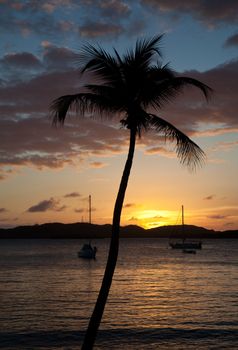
186	245
87	251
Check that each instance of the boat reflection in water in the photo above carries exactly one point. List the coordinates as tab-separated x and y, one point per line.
186	245
87	251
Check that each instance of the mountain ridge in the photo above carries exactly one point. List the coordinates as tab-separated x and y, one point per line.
85	230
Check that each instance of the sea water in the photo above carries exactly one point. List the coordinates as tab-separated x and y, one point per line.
160	298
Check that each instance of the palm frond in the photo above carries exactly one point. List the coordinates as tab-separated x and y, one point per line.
185	81
189	153
60	106
82	103
143	53
148	46
97	61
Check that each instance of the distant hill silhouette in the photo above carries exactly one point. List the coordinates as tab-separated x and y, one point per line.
88	231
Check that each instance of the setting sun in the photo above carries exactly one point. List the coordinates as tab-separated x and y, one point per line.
152	218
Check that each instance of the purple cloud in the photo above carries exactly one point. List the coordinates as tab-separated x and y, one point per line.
232	41
99	29
25	118
72	195
217	217
208	198
129	205
45	205
210	12
80	210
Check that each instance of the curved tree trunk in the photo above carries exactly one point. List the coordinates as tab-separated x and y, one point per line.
97	314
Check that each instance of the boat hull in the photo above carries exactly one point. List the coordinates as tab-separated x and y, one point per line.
87	252
186	245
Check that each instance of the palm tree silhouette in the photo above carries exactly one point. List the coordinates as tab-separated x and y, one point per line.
128	86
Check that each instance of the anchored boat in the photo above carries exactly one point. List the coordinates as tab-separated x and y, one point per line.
87	251
185	244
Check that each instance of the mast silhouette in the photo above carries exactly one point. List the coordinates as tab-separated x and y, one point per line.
89	210
182	216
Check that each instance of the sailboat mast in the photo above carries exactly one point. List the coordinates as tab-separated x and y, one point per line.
182	215
89	208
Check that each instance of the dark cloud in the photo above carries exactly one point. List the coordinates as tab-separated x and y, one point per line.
133	218
190	108
108	8
35	17
19	66
100	29
59	58
208	198
114	8
45	205
42	206
217	217
129	205
210	12
80	210
72	195
23	60
232	41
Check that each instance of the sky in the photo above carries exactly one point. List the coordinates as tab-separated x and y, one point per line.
48	173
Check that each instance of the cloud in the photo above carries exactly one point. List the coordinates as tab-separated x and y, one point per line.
232	41
100	29
45	205
129	205
217	217
25	117
191	109
160	151
133	218
72	195
19	66
23	60
220	130
225	146
35	17
229	224
212	13
97	165
59	58
80	210
208	198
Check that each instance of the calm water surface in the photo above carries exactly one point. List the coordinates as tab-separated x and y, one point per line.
160	298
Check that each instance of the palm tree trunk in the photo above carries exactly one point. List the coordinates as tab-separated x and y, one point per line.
97	314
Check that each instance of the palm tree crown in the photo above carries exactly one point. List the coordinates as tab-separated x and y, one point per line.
130	86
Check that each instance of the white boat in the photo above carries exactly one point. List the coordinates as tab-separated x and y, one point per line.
185	244
87	251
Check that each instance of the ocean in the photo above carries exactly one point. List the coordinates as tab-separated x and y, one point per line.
160	298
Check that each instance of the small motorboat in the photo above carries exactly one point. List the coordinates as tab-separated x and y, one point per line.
87	251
